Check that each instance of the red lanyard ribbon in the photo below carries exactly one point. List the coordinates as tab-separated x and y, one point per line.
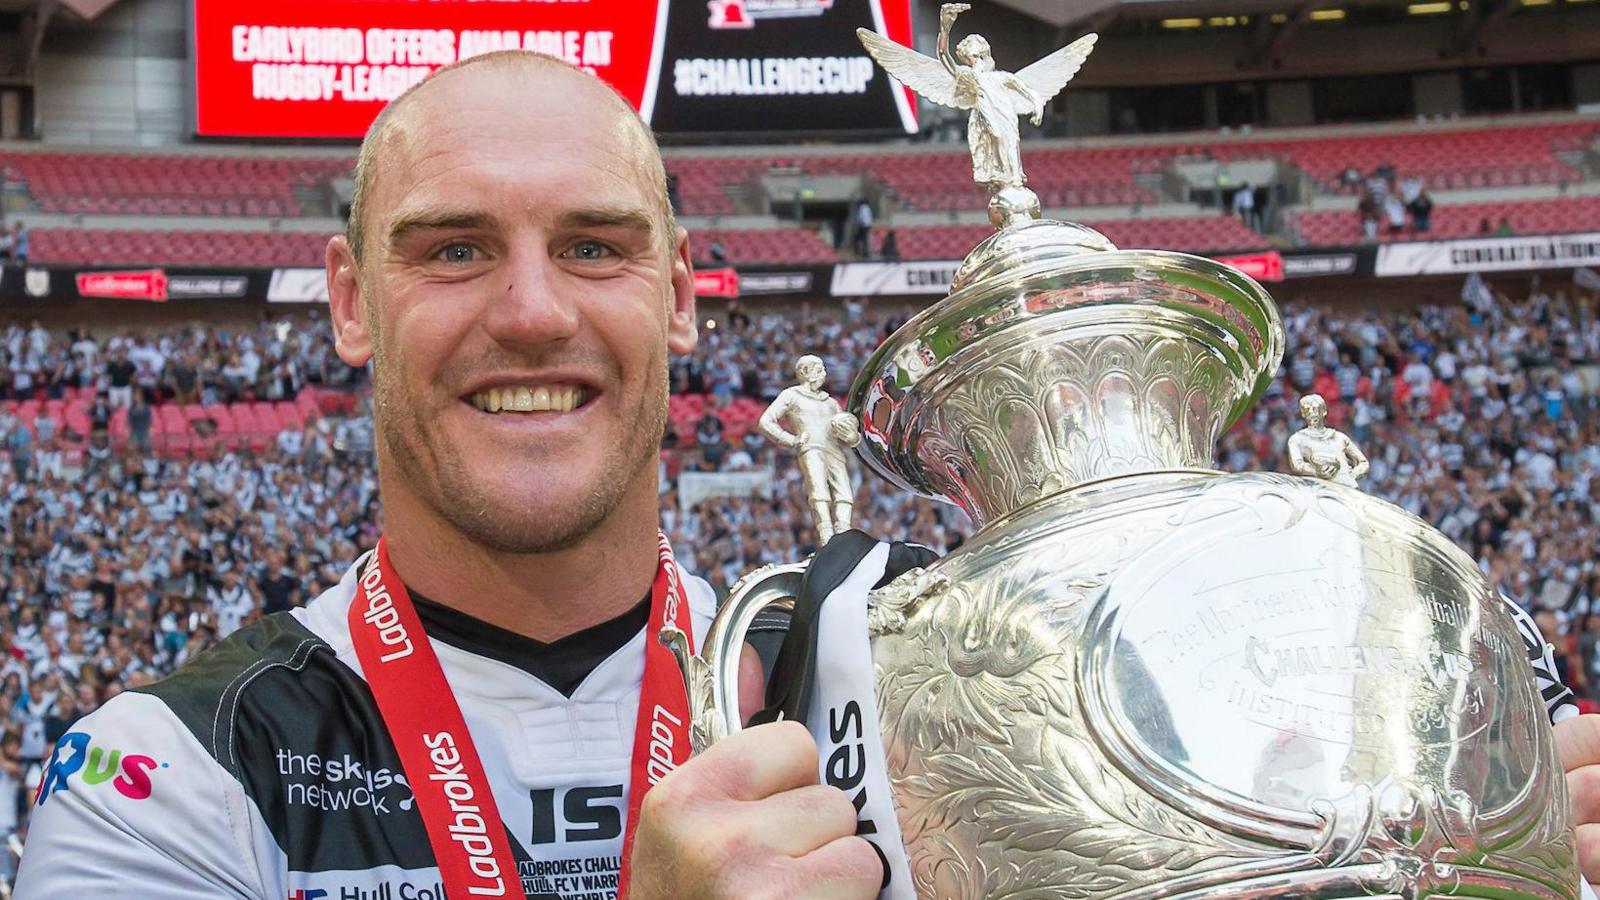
468	838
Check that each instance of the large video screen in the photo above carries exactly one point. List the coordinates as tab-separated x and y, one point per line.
324	68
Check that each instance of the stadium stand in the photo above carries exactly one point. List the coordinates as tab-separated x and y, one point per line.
295	248
196	248
1469	156
931	182
1444	159
178	429
170	185
777	245
912	186
1192	233
1460	220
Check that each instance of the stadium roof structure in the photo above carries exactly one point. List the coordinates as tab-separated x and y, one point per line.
35	16
1059	13
1348	37
1096	13
83	9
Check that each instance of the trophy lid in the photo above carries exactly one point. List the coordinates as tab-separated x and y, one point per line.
1056	358
1055	365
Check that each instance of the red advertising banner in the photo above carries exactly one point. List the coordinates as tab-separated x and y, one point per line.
1265	266
293	68
324	68
145	284
716	283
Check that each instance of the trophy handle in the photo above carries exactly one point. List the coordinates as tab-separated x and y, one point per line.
712	678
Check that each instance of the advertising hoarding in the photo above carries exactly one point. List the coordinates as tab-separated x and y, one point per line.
324	68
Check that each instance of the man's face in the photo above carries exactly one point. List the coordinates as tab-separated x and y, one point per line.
516	257
1314	413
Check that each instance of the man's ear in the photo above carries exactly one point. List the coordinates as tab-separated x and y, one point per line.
351	337
682	327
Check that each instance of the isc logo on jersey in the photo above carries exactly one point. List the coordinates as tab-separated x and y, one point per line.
76	759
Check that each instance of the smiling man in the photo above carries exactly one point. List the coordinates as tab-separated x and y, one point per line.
481	704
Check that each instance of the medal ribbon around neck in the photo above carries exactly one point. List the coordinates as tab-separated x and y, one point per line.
469	840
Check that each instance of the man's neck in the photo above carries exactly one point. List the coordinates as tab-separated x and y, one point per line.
544	596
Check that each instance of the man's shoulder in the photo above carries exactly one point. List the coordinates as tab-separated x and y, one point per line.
298	730
270	672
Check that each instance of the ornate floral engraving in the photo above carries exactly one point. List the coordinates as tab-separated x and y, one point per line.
1046	417
1008	788
1002	792
888	606
1414	840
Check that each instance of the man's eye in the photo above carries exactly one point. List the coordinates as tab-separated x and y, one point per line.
458	253
590	251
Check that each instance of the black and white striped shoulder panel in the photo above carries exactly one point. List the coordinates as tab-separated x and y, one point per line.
1559	701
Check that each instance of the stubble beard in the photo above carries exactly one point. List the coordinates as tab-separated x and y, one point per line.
436	474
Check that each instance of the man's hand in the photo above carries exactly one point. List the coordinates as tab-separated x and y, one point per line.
1578	742
748	819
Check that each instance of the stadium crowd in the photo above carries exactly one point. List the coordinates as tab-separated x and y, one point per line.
118	565
1387	200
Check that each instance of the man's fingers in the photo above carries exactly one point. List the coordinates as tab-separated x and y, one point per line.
759	762
799	821
1583	786
752	684
1589	852
1578	741
845	869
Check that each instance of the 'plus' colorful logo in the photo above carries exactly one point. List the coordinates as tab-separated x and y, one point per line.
73	757
308	894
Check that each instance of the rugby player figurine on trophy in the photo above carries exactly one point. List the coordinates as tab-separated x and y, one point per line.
1322	452
808	420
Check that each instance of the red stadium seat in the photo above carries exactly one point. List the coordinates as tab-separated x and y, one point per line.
289	415
250	431
267	417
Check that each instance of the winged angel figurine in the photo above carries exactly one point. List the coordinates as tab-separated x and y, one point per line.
969	80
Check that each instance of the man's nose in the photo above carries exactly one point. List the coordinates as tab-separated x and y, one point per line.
533	304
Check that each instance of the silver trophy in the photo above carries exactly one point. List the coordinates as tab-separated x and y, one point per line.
1143	677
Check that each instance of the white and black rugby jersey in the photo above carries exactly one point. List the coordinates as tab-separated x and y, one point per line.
263	769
